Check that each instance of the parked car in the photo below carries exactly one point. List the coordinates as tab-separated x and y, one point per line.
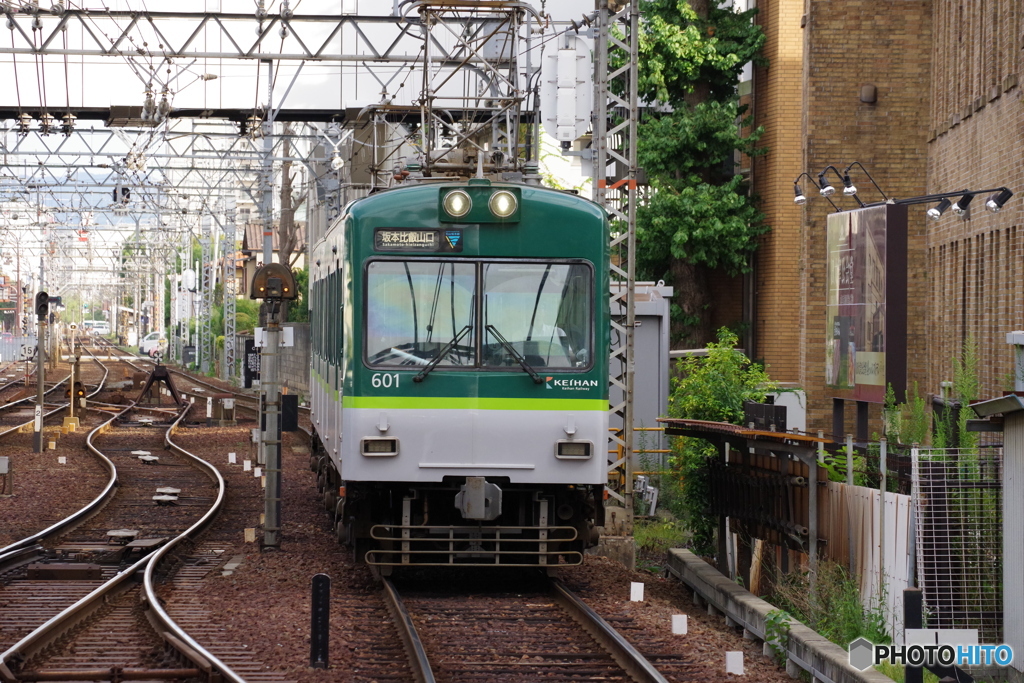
100	327
153	343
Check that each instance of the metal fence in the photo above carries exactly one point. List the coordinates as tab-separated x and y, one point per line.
17	348
958	501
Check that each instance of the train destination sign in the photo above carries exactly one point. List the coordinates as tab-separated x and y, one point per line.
395	239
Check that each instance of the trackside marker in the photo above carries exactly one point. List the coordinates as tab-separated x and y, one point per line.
679	624
231	458
246	465
734	663
636	592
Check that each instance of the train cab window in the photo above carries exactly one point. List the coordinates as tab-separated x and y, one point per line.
416	310
542	310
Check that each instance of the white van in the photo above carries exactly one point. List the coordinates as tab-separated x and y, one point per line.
153	343
100	327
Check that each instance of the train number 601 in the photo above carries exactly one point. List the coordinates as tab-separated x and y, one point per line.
384	379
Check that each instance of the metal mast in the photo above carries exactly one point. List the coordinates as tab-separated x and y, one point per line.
227	371
615	129
209	277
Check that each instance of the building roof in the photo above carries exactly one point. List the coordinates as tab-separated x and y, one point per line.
252	237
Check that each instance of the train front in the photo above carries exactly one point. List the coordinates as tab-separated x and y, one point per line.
475	396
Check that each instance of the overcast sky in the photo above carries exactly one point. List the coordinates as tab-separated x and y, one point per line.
56	81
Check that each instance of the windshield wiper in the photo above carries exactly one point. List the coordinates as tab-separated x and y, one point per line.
515	354
441	354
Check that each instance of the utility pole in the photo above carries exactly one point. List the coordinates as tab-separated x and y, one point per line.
42	310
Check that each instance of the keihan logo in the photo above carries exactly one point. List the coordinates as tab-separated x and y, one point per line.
453	237
571	384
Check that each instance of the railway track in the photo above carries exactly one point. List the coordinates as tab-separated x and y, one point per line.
73	609
542	632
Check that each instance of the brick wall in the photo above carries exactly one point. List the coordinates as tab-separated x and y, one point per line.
777	104
808	99
949	115
976	141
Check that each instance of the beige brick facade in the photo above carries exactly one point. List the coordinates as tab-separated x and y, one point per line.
949	115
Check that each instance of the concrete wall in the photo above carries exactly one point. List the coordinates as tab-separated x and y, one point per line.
295	360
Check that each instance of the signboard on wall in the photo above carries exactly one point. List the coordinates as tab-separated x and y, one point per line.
866	303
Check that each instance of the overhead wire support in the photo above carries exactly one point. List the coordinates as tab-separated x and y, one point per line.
615	142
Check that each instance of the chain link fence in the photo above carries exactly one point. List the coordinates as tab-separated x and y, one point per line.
958	499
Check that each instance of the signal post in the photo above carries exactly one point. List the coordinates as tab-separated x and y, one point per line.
273	283
42	311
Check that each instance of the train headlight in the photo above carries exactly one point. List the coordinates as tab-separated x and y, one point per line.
574	450
457	203
378	446
503	204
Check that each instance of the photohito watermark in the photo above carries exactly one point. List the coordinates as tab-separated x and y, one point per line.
864	654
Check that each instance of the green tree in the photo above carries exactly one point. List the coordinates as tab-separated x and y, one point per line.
713	388
298	310
699	215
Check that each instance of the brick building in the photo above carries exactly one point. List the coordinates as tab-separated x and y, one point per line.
947	114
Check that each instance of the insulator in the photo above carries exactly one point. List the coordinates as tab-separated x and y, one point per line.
68	125
148	107
165	107
46	123
24	123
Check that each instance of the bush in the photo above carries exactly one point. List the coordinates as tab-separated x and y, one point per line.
713	388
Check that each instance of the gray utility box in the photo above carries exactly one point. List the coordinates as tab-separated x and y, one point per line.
651	356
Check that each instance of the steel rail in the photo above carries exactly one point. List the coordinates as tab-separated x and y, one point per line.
418	660
172	633
627	656
10	553
74	614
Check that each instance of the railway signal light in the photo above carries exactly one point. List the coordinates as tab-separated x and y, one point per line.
42	305
273	281
79	391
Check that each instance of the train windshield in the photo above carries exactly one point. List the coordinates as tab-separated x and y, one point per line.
543	311
418	310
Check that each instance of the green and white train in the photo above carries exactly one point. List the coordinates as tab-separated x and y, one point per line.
460	340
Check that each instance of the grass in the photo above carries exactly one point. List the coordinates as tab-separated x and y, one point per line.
895	672
834	608
654	538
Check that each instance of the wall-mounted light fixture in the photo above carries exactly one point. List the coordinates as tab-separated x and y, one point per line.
996	201
850	190
800	198
935	213
961	206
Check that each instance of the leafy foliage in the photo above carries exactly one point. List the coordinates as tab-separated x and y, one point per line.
679	50
709	388
699	210
298	310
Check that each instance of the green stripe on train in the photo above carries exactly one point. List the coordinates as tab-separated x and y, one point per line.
470	403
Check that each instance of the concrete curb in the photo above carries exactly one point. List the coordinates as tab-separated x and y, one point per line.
823	659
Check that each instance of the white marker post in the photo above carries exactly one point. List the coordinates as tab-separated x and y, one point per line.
679	624
734	663
636	592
